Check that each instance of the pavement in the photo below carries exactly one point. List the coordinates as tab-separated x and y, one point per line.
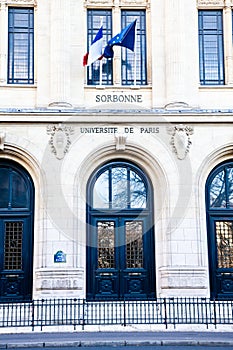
119	338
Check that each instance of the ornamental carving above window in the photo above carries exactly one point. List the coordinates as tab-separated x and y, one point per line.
21	2
212	2
117	2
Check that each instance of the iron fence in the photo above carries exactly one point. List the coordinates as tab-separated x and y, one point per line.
79	312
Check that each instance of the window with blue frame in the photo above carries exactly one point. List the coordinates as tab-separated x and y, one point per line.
211	53
20	45
96	18
133	64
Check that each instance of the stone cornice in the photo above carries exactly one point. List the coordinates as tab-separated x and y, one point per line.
94	116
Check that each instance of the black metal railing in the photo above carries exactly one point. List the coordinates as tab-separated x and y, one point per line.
79	312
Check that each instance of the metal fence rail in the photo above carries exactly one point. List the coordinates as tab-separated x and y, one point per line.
75	312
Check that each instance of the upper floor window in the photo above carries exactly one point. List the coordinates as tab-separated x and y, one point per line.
96	18
131	63
20	45
211	55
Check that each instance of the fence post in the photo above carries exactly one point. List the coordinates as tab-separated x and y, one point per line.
83	323
124	314
215	316
165	311
33	315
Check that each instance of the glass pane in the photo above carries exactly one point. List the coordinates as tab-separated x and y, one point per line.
218	191
224	238
134	244
119	188
106	246
137	191
101	191
13	245
4	188
230	186
20	195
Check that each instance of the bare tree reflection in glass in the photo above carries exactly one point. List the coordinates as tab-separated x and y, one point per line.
119	188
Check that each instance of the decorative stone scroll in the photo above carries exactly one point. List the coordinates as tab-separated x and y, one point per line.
60	139
180	139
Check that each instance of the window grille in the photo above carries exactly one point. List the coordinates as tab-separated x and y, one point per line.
211	55
13	245
128	60
21	46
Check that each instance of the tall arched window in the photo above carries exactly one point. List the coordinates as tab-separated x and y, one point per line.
120	241
219	203
16	230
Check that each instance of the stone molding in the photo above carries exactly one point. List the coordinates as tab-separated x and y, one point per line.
118	3
214	3
20	2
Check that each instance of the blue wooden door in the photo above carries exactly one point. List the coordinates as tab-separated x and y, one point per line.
16	230
120	240
219	204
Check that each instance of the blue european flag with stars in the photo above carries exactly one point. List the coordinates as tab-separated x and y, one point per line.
125	38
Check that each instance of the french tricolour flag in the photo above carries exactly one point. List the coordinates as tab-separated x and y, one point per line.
95	50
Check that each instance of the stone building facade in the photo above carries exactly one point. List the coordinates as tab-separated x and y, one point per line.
116	178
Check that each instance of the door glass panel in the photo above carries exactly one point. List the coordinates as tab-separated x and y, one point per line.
106	244
134	244
224	238
230	186
119	188
13	245
4	188
137	191
101	191
218	191
19	192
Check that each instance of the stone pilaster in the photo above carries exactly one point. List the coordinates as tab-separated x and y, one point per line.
3	42
60	12
228	42
181	48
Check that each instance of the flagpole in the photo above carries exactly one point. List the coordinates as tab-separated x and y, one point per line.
135	54
101	72
101	62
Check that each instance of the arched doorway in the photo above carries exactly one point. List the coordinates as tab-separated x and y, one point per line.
219	204
120	235
16	228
